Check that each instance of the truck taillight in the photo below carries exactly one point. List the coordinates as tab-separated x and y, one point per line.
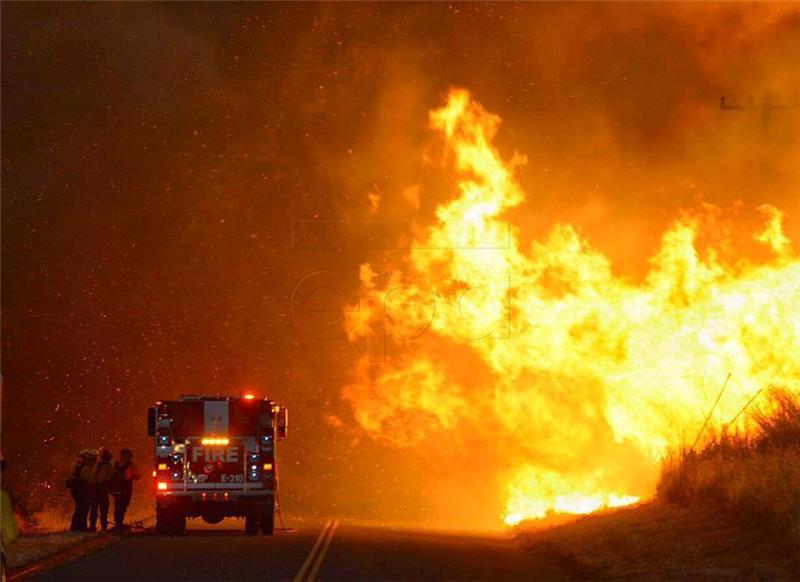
161	486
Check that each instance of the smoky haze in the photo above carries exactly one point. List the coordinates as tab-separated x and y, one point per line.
156	156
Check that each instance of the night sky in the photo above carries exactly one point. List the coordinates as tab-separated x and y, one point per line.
154	157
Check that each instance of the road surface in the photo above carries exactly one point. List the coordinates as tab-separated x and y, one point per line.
321	551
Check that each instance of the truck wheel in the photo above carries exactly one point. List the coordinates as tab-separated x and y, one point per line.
161	526
180	524
164	522
267	522
170	522
251	524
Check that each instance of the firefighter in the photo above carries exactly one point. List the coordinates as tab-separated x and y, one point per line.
79	491
98	484
85	478
125	473
8	527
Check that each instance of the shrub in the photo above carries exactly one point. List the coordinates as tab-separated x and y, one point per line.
757	474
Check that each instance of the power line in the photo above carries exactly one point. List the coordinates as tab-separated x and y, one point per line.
719	396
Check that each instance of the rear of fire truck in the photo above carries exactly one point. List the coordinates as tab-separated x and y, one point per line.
215	458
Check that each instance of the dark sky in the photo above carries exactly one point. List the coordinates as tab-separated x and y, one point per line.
154	157
150	176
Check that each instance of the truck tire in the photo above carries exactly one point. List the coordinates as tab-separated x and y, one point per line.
180	524
163	525
267	521
170	522
162	521
251	523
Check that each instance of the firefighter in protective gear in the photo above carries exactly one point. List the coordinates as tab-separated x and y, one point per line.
80	493
98	491
125	473
8	527
85	477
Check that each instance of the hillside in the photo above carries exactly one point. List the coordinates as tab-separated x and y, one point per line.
665	541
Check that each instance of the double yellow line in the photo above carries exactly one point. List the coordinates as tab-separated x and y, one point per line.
310	568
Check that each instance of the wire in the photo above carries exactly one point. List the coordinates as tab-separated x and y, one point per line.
749	402
719	396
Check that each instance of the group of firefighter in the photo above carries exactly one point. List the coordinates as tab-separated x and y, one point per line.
94	478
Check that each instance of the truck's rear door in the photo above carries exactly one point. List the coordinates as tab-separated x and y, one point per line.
215	461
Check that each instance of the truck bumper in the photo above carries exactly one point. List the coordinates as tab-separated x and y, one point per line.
227	503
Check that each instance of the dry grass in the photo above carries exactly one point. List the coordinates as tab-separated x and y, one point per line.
56	518
661	541
729	511
756	476
41	511
34	547
49	518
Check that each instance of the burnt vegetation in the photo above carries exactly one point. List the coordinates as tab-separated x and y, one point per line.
726	510
755	475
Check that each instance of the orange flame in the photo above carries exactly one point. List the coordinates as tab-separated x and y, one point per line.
583	378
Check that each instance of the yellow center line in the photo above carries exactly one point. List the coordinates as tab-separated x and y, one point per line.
321	555
301	574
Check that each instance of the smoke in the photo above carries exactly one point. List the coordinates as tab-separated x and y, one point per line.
616	107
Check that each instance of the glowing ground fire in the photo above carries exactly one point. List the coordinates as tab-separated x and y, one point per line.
588	378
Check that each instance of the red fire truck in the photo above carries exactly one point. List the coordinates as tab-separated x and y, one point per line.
215	458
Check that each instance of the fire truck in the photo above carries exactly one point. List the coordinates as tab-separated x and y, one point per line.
215	458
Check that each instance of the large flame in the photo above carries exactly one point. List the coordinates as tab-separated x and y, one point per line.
581	379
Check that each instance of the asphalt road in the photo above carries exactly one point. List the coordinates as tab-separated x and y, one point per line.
321	551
